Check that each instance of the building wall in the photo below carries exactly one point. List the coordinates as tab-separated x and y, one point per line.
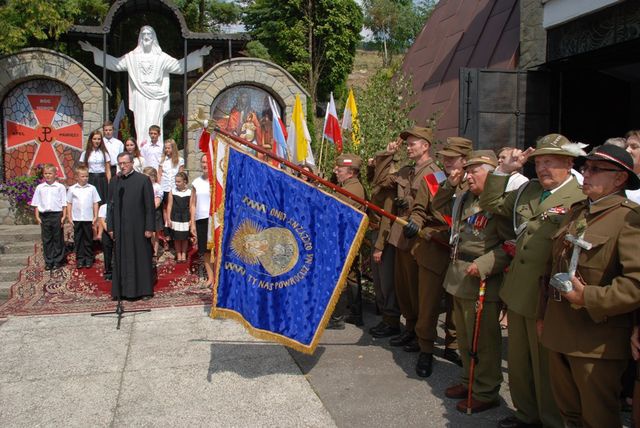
533	37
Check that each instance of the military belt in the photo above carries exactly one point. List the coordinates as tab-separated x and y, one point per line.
466	257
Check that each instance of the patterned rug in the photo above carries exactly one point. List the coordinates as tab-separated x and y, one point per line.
70	290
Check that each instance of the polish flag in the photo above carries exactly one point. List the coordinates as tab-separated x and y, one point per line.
331	130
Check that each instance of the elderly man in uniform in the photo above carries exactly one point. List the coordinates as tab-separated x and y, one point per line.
594	288
347	172
408	179
432	255
478	255
535	210
381	170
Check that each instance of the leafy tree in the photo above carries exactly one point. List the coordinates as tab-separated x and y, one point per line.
395	23
257	50
209	15
315	40
42	22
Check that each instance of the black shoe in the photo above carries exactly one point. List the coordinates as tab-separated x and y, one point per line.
453	356
335	324
58	265
147	297
411	347
405	338
88	264
514	422
384	330
79	265
424	367
355	320
48	267
107	276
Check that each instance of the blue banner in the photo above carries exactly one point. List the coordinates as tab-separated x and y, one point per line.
285	252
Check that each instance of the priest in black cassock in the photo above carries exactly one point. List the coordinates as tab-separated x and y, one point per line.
131	222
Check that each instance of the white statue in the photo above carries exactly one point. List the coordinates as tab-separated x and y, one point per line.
148	69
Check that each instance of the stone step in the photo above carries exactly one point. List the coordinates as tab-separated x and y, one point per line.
17	247
10	273
14	259
9	234
5	287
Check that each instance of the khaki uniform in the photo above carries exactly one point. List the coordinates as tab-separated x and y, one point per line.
350	296
589	346
529	382
480	241
408	180
432	257
382	179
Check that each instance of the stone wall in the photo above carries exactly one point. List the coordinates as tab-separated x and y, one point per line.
533	37
38	63
239	71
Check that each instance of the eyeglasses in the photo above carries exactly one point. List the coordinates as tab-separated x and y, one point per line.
597	170
124	163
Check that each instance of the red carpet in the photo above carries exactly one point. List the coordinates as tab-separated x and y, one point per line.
69	290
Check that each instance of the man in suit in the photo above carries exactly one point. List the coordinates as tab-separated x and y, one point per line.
535	210
432	255
478	255
588	317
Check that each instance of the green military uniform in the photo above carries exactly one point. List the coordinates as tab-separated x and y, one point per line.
432	256
383	190
479	240
350	296
534	221
589	345
408	181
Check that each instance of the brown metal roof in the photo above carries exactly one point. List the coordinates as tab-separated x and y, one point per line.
459	33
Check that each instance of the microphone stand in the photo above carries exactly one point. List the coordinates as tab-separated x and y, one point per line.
119	310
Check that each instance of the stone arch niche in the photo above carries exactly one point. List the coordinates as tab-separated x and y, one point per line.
218	90
49	104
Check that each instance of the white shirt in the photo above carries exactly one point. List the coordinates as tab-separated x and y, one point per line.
49	197
167	181
633	195
152	153
102	211
157	191
96	162
114	147
515	181
203	197
82	199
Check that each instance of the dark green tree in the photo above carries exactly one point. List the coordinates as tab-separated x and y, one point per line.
42	22
209	15
315	40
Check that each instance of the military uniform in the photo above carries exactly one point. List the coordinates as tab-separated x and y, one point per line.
478	237
382	179
535	222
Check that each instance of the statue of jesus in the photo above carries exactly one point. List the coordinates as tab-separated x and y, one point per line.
148	69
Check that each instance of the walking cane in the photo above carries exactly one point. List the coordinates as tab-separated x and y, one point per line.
474	345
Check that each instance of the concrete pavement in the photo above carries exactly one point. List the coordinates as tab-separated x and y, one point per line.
177	367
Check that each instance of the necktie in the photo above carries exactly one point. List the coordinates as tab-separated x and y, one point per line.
545	195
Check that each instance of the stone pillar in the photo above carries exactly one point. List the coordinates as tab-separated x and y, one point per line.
533	37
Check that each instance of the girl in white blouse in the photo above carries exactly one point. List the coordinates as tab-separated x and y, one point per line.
96	157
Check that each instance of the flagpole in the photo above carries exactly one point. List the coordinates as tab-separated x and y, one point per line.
322	181
321	150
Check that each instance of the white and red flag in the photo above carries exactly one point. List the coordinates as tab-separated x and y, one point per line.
331	129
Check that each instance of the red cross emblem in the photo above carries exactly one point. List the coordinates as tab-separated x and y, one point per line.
45	135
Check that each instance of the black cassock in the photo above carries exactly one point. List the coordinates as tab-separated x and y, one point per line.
130	214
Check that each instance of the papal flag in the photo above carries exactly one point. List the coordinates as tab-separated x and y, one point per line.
285	253
350	118
299	139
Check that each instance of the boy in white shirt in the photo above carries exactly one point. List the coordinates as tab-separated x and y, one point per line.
152	149
82	209
113	145
50	202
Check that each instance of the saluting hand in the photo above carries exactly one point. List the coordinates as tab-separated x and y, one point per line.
455	177
393	146
515	160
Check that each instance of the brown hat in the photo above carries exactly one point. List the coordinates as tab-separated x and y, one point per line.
418	132
456	146
350	160
556	144
481	156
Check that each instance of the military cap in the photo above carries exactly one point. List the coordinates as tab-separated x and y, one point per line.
618	157
456	146
482	156
556	144
418	132
350	160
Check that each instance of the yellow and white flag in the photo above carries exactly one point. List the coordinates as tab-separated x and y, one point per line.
299	140
350	119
